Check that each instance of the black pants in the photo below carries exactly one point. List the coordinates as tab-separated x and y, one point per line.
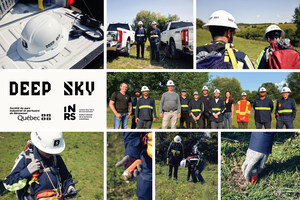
144	124
171	166
199	122
288	124
140	44
196	174
267	125
205	120
133	124
185	117
154	51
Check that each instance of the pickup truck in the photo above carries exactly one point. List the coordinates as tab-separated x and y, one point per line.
178	35
120	37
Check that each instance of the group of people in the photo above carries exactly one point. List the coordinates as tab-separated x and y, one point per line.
175	157
141	38
203	111
222	54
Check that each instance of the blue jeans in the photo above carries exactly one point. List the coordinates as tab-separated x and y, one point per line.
123	119
227	117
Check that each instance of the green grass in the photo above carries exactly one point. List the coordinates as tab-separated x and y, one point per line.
117	188
251	47
280	178
83	155
182	189
118	61
158	123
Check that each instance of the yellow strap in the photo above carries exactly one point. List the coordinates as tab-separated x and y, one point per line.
40	3
149	144
146	106
285	111
230	54
184	106
134	107
196	110
140	35
262	108
33	180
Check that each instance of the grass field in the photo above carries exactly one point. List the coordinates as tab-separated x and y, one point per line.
83	155
251	47
117	188
158	123
280	178
182	189
118	61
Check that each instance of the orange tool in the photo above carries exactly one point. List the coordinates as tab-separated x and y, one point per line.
127	174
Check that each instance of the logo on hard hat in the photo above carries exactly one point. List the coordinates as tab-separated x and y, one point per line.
24	44
56	143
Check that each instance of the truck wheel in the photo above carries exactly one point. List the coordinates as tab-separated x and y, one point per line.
127	49
173	49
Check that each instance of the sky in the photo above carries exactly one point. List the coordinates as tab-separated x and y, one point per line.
126	10
253	11
252	80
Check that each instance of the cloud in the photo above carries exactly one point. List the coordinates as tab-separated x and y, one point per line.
279	85
257	16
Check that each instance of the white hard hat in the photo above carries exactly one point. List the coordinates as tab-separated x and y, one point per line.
205	88
140	23
48	142
262	89
244	94
177	139
170	83
42	38
217	91
221	18
286	89
273	28
154	22
183	163
145	88
196	93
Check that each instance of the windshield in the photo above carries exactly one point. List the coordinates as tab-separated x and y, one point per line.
113	27
175	25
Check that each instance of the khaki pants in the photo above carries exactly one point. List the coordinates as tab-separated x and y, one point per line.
169	116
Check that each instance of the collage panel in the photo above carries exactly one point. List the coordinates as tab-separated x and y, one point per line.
146	36
206	100
52	164
186	165
255	37
51	34
260	165
129	165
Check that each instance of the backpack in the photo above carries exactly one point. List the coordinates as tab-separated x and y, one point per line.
215	56
283	56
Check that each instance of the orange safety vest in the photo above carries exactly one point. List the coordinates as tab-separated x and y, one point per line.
243	110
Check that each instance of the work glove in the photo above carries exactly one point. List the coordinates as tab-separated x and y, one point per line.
127	161
253	160
68	188
34	166
71	192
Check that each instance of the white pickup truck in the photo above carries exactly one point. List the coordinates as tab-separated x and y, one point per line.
120	37
179	36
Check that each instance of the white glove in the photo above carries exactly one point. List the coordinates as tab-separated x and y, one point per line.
34	166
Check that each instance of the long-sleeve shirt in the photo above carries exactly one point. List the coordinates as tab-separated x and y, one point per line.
195	107
170	101
263	109
184	104
175	153
285	109
145	109
216	106
140	34
205	101
154	35
261	142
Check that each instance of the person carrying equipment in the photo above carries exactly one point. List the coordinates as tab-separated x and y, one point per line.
195	110
185	117
243	111
220	53
137	93
140	39
174	156
205	98
154	38
145	110
170	107
280	54
285	112
260	147
195	166
216	110
40	172
263	107
139	146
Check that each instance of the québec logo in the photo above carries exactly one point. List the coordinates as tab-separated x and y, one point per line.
42	117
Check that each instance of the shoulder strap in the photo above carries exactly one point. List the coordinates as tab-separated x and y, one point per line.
229	54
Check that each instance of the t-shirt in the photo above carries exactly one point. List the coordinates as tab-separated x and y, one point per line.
205	101
228	105
121	101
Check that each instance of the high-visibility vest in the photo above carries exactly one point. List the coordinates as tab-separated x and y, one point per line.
243	110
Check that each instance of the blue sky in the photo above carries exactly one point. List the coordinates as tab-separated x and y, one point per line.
126	10
252	11
252	80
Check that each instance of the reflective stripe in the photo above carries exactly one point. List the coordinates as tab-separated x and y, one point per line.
146	106
248	62
151	36
134	107
259	59
140	35
216	109
185	106
262	108
240	65
174	151
196	110
16	186
285	111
